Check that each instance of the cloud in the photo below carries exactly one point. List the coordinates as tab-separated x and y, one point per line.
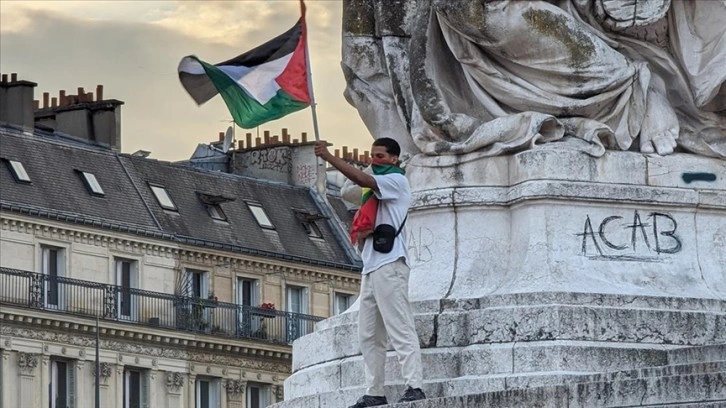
134	51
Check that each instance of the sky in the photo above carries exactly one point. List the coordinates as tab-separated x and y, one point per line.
133	48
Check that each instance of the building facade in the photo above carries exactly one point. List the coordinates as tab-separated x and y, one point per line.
191	282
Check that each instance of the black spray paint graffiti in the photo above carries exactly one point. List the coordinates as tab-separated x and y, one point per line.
273	159
689	178
636	241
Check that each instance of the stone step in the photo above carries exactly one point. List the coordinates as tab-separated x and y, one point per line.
688	391
486	360
697	354
581	299
522	324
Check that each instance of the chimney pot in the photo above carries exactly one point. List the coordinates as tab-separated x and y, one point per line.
356	156
13	77
46	98
266	134
80	92
258	141
89	97
221	136
295	141
345	152
248	140
337	152
62	97
99	92
5	78
304	136
240	145
53	102
275	139
36	104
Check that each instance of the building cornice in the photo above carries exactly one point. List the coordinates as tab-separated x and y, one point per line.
141	231
155	343
209	257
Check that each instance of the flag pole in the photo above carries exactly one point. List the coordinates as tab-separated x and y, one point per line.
320	183
310	76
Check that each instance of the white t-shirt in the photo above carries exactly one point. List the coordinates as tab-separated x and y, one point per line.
394	195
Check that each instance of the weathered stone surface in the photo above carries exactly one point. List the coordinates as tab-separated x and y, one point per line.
496	77
568	274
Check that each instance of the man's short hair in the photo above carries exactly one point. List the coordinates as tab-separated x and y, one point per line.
391	145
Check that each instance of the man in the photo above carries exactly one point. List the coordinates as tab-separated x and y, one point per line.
384	307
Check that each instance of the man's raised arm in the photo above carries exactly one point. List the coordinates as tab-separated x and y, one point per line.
351	172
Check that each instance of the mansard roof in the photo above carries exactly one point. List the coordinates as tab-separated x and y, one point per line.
58	190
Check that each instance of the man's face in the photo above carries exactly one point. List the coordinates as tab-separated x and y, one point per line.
380	154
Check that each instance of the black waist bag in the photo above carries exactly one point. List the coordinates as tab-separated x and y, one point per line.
384	235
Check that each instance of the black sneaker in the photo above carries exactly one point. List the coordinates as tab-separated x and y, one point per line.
412	394
369	401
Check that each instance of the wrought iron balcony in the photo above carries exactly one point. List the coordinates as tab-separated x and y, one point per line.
163	310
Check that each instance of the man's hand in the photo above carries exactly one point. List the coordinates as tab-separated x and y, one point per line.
352	173
321	150
362	235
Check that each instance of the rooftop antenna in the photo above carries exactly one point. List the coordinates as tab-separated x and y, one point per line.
228	139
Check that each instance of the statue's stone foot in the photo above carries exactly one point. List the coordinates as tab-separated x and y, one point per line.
660	126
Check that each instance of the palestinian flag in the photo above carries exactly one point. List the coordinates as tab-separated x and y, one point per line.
263	84
364	219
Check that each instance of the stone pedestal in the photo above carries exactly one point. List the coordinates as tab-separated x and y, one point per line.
546	270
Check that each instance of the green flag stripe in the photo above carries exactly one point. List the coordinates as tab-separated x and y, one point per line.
245	110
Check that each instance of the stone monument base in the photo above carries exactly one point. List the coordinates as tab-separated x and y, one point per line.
552	279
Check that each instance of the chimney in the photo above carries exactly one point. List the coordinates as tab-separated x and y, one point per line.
16	101
277	158
96	120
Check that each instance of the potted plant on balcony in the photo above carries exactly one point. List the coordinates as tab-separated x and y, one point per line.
212	299
267	309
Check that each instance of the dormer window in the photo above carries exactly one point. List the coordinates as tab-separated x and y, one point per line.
260	215
215	211
18	171
312	229
308	221
89	179
213	203
163	197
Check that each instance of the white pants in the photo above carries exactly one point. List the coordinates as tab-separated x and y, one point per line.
384	309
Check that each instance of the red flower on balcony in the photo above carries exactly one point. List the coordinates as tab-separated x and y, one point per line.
267	306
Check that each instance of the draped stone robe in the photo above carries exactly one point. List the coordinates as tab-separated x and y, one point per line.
494	77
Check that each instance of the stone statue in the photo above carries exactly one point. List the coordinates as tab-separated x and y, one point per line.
495	77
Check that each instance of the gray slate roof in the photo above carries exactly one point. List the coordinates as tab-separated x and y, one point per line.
57	191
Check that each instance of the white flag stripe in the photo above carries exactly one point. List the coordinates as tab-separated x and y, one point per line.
258	81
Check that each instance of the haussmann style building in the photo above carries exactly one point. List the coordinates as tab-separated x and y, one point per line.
192	278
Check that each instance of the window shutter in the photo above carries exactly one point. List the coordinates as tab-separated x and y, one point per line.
71	368
304	301
144	387
255	301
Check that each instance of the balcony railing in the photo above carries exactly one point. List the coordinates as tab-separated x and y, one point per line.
163	310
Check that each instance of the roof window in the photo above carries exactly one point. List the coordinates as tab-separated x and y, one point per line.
307	219
18	171
260	215
163	197
213	203
216	212
89	179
